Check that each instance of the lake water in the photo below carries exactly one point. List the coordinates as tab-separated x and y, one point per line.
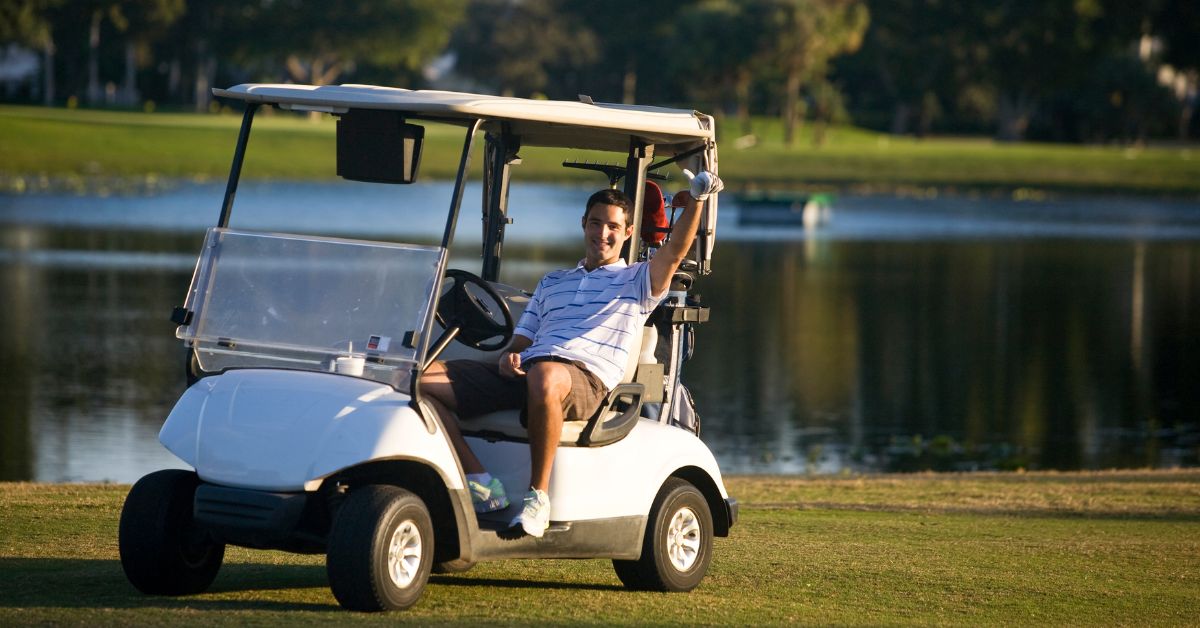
905	334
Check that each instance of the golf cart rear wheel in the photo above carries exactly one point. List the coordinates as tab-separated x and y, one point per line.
678	544
380	549
162	550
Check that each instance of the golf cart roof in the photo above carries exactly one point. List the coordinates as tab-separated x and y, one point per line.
600	126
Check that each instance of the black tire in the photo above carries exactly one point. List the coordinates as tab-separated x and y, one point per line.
680	520
162	550
366	526
457	565
192	372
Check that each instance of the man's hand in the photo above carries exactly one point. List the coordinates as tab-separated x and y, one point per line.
510	365
704	184
668	258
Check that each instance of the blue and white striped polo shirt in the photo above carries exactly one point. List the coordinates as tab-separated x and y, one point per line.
590	317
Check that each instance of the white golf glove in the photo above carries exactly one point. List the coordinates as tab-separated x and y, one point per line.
704	184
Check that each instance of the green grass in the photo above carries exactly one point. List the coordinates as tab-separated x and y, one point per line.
83	149
1113	548
55	148
870	161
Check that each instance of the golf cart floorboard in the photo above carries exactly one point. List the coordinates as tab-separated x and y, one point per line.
617	537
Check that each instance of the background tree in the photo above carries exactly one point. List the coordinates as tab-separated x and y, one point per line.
144	21
1013	67
1075	70
96	13
31	23
318	40
911	56
1029	47
634	39
214	36
1119	100
1177	23
725	39
513	46
804	36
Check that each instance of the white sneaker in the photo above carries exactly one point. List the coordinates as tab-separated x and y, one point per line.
535	516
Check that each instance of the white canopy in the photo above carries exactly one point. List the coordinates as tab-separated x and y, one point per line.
601	126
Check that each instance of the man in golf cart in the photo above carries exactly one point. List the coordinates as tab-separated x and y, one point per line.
569	347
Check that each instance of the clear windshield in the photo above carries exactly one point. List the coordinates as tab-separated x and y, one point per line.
304	302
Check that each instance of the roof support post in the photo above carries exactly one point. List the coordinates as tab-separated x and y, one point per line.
499	155
640	156
235	171
423	341
460	182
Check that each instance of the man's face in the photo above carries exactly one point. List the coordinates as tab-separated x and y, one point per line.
604	232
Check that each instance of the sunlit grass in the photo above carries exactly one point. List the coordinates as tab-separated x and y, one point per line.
1029	549
869	160
41	143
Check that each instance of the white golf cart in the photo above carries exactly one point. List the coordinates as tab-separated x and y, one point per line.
303	418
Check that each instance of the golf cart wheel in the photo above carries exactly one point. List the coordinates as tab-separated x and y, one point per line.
678	544
380	549
457	565
162	551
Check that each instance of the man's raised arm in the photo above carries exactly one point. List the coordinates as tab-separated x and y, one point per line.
668	258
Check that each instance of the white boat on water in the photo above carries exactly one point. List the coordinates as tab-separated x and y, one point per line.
772	208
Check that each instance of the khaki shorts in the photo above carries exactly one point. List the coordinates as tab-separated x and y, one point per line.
479	388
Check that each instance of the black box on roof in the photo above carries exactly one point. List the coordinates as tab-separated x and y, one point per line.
378	146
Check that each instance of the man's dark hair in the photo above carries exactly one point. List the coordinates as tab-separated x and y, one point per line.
611	197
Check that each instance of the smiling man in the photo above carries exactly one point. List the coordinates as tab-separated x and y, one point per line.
569	347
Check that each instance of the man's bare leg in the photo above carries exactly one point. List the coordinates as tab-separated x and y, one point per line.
436	387
549	384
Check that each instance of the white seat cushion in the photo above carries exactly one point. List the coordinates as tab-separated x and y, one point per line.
506	425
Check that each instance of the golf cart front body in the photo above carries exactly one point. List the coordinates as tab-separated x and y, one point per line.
285	430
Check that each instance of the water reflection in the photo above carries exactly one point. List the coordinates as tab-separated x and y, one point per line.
952	355
90	369
858	348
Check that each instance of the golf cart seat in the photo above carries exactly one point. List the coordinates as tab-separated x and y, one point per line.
617	415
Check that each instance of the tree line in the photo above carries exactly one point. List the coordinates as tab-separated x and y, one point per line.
1066	70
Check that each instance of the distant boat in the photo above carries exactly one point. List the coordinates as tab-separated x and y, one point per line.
784	208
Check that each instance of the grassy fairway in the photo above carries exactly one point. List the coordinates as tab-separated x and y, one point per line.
878	162
1108	548
57	147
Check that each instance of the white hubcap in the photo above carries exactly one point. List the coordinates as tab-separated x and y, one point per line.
683	539
404	554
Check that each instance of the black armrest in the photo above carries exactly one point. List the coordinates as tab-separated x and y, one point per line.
602	432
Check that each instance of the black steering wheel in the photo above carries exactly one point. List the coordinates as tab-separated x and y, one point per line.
464	307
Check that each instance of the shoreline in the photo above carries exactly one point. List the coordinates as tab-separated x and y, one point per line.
152	184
